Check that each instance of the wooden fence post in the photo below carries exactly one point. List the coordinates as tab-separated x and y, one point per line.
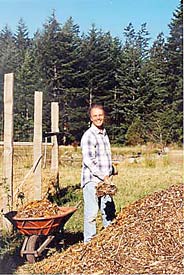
37	141
54	128
7	199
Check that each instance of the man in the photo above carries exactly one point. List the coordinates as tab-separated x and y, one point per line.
96	167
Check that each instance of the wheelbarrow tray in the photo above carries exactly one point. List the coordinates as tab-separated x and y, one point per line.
43	225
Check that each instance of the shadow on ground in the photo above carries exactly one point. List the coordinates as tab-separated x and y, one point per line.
10	261
69	194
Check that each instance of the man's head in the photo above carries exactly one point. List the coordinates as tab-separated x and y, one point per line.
97	115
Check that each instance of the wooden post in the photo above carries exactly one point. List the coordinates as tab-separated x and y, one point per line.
7	197
54	128
37	143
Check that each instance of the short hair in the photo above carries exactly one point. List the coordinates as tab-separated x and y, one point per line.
96	106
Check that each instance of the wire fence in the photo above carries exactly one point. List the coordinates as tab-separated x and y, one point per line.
70	161
23	172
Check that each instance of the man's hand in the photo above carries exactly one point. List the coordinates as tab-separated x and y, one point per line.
107	180
106	188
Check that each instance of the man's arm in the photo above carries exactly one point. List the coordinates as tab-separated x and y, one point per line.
88	144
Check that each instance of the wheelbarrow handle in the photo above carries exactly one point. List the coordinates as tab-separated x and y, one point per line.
9	216
79	203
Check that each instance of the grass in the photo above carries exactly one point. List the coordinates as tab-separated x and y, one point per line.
147	174
136	179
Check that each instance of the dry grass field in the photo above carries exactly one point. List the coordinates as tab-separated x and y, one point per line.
142	170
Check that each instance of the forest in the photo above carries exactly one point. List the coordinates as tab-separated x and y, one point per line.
139	83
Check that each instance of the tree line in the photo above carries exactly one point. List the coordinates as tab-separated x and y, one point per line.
139	83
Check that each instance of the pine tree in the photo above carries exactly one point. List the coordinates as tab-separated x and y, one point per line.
131	89
157	91
174	74
8	53
99	65
47	48
72	99
95	79
58	53
112	102
22	40
26	84
144	95
47	53
135	133
140	88
8	63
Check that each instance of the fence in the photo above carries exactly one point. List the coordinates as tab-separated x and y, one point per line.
8	177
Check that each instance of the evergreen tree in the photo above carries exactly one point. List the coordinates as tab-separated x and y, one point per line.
174	74
26	84
8	63
99	65
131	89
22	40
71	97
59	58
112	110
140	88
135	133
47	48
155	103
8	53
144	95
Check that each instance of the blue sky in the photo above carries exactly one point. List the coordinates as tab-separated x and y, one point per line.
108	15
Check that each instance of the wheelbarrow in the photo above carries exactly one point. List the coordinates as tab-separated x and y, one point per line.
39	232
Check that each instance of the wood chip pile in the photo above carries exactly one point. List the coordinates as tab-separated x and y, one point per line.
146	237
39	208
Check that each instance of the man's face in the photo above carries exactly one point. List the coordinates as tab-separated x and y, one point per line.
97	116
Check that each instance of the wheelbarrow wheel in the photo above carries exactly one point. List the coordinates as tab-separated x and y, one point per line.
31	246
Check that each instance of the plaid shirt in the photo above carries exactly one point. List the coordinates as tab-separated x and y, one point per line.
96	152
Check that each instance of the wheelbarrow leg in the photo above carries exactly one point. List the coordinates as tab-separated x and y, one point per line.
24	246
30	248
44	245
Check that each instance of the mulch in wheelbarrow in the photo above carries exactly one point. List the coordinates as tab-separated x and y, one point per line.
145	238
39	208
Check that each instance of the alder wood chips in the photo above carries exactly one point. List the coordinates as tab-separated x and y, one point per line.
38	209
146	237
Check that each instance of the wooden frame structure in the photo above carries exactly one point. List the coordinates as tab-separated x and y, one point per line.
7	188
